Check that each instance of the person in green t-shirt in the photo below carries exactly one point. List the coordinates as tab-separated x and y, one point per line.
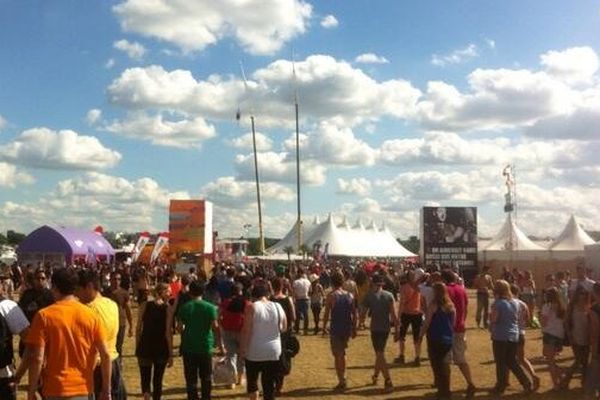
199	327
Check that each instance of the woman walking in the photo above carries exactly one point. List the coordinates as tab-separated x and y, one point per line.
154	341
231	318
261	342
504	326
577	329
287	304
553	331
439	328
528	294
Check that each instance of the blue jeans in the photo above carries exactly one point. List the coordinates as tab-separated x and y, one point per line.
231	340
117	384
197	366
301	313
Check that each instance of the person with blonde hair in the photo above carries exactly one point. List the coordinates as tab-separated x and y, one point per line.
504	327
553	330
439	328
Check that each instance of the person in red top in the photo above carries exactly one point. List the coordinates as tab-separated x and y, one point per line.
458	295
175	286
231	319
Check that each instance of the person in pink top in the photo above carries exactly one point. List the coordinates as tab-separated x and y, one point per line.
458	295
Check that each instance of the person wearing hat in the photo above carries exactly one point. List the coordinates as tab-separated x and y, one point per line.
380	303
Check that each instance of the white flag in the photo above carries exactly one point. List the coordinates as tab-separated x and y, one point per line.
139	246
160	244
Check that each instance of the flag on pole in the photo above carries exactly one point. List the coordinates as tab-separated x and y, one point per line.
160	244
139	246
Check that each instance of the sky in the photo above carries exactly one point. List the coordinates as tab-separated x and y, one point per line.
109	109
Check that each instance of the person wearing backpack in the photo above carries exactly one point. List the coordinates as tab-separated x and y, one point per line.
12	322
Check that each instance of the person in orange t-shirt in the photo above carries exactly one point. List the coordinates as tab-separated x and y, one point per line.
66	338
411	314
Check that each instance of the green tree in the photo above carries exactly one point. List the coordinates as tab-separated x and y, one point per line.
288	250
412	244
14	238
3	239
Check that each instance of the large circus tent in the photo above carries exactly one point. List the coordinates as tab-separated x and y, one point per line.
342	240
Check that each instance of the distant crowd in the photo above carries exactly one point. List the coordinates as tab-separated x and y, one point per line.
73	322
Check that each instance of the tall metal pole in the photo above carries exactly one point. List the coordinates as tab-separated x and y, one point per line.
261	238
299	216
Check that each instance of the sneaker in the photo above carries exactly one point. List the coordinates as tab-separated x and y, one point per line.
470	392
388	387
400	359
417	362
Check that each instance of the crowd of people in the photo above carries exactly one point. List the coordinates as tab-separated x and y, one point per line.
73	321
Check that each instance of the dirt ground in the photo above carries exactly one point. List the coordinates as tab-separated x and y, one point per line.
313	376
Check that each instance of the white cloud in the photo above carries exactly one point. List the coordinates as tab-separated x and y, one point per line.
64	149
583	124
228	192
328	89
358	186
259	26
278	167
490	43
244	142
371	58
329	22
333	145
458	56
93	198
109	63
573	65
11	177
182	133
134	50
93	116
499	99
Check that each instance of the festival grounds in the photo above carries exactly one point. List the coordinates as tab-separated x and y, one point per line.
313	376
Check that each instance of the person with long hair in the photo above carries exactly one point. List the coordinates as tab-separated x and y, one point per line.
317	296
577	330
231	318
411	315
264	320
154	341
553	330
527	289
287	304
504	327
439	328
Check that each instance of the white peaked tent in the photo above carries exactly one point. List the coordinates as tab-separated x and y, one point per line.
341	240
572	238
291	238
510	237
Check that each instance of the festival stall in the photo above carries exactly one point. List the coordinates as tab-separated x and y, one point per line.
64	246
328	239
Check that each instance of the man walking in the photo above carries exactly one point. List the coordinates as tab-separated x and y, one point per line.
88	293
301	288
122	298
483	284
458	295
65	338
200	328
12	322
341	306
381	305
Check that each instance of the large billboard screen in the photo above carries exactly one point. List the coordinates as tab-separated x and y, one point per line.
449	238
190	227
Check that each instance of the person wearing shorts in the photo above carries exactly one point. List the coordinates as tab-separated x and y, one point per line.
381	305
411	315
341	306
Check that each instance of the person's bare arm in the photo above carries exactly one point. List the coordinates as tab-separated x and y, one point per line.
169	334
25	360
427	322
293	308
328	303
395	319
36	359
128	314
140	322
246	330
105	368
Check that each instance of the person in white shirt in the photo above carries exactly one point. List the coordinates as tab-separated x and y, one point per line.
12	322
582	281
301	289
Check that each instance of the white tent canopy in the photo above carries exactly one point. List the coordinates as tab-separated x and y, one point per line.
510	237
573	237
341	240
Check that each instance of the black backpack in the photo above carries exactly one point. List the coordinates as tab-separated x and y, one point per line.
6	343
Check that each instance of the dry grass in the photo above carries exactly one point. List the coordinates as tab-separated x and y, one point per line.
313	376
